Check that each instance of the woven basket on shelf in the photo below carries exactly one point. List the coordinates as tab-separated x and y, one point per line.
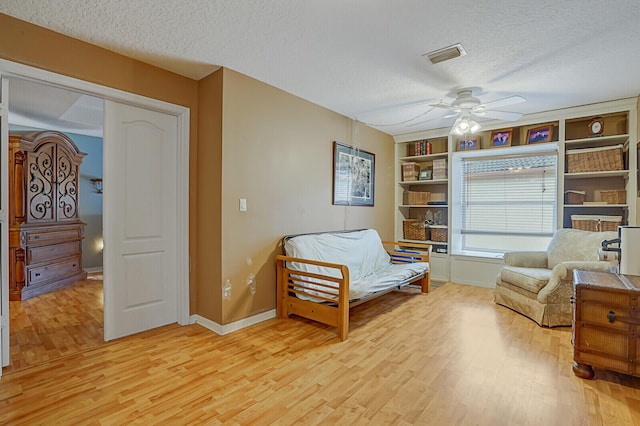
439	235
414	229
595	223
595	159
614	196
574	197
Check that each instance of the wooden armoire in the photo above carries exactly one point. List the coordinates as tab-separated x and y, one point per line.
45	231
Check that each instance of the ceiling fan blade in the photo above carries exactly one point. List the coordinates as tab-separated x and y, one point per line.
509	100
453	114
502	115
417	123
441	105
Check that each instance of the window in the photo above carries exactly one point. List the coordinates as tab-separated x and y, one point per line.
505	202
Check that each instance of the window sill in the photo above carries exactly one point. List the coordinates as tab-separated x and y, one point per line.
479	254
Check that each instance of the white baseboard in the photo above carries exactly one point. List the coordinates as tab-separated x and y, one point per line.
234	326
93	270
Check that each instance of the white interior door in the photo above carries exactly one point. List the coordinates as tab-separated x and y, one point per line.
140	219
4	230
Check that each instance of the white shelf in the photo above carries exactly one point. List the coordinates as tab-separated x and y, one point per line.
588	175
425	206
599	141
424	182
595	206
422	158
439	243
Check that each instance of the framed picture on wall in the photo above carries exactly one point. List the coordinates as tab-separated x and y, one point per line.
500	138
540	134
353	176
469	144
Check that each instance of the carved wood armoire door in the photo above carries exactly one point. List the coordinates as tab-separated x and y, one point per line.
45	235
52	184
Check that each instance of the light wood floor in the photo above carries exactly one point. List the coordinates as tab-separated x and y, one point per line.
448	357
57	324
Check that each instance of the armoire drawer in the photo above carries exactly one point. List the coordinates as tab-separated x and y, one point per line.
53	271
55	251
29	238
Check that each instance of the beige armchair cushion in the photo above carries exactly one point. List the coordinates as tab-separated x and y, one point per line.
575	245
530	279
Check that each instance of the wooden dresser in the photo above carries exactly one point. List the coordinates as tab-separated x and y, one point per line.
606	323
45	232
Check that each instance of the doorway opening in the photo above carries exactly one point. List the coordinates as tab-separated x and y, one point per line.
134	126
70	319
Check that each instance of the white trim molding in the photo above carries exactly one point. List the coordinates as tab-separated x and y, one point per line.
234	326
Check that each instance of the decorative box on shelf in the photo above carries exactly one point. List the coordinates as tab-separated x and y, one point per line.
410	171
415	198
440	168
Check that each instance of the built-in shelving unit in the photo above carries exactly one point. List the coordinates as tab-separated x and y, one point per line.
434	212
596	184
570	132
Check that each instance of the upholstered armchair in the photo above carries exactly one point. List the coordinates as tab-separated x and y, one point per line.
539	284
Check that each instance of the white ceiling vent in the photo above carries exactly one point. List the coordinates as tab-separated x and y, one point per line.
446	53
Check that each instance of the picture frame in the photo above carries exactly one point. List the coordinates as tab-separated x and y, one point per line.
501	138
540	134
469	144
353	176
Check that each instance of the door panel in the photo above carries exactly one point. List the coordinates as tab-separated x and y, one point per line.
140	219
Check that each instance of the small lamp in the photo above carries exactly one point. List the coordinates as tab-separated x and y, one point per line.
97	183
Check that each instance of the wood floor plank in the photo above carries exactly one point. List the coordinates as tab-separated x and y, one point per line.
448	357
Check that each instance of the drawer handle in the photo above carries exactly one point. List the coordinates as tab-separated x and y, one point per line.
37	274
36	237
612	317
74	265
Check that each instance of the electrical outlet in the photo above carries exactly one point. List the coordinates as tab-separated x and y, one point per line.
226	290
251	282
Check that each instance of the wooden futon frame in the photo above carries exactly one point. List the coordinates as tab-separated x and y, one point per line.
326	310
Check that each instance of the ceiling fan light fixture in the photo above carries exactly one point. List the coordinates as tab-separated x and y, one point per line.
446	53
464	125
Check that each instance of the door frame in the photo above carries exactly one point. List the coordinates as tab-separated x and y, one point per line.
12	69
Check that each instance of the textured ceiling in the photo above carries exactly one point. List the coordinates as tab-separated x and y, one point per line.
364	59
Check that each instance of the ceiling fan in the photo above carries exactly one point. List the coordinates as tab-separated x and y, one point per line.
466	106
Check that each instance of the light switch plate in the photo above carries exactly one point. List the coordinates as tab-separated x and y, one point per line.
243	204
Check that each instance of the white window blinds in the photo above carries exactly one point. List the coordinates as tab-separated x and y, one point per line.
507	203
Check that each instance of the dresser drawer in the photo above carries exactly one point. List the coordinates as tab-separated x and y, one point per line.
54	251
54	271
29	238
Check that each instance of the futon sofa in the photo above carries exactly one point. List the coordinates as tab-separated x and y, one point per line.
321	275
539	284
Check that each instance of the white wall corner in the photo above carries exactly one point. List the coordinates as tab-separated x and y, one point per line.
234	326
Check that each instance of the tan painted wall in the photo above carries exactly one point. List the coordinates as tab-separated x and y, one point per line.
209	198
247	139
277	153
38	47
